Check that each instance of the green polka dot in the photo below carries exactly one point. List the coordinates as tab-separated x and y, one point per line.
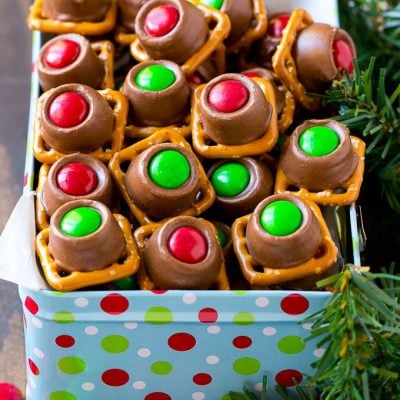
281	218
319	141
239	292
71	365
64	317
158	316
243	318
246	366
223	240
62	396
155	78
230	179
115	344
169	169
226	397
217	4
291	345
80	221
161	368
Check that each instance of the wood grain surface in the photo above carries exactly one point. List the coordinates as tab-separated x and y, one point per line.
15	67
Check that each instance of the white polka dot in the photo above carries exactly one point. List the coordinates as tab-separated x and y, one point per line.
88	386
212	360
189	298
38	353
262	301
139	385
319	352
91	330
32	383
198	396
144	352
258	387
269	331
130	325
307	325
81	302
37	322
213	329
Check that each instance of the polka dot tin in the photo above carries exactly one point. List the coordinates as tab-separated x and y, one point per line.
172	345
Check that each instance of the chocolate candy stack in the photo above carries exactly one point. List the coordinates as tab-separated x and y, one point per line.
200	171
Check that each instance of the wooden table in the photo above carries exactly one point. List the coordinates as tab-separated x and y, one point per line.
15	67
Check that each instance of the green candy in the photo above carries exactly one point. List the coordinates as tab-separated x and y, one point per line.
230	179
169	169
155	78
223	240
127	283
319	141
281	218
217	4
80	221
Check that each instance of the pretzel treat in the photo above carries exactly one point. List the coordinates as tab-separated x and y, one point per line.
169	263
200	30
323	163
258	129
98	129
71	58
63	248
149	196
284	239
44	18
73	177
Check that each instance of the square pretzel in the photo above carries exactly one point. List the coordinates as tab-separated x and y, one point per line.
77	279
284	65
328	197
42	219
257	29
271	276
162	136
214	150
219	27
141	235
36	21
119	106
104	50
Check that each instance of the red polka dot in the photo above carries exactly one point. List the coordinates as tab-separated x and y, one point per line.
202	379
31	305
65	341
115	377
181	341
208	315
33	367
158	396
114	304
294	304
242	342
8	391
159	291
288	377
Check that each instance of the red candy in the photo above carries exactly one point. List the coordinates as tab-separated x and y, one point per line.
195	78
252	74
9	392
277	25
61	53
343	55
228	96
77	179
188	245
68	109
161	20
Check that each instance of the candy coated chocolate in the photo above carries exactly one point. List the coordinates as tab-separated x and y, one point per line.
272	251
239	127
76	10
313	52
319	173
155	200
85	68
179	44
90	134
94	251
156	107
52	196
169	272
